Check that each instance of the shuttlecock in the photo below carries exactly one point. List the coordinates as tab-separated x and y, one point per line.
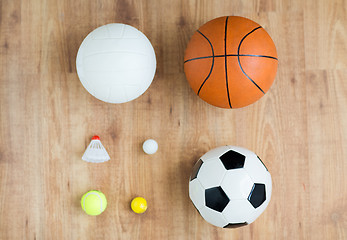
95	152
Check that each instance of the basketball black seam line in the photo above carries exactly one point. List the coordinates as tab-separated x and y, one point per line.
238	59
232	55
226	60
226	55
209	74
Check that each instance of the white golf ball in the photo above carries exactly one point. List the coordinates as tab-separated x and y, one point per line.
150	146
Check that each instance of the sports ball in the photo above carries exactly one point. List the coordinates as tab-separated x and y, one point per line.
116	63
230	62
93	202
139	205
150	146
230	186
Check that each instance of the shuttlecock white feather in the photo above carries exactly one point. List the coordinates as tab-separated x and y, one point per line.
95	152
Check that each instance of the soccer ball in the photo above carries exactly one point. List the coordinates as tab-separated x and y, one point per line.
230	186
116	63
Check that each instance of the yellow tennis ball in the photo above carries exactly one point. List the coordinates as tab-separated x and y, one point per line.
139	205
93	202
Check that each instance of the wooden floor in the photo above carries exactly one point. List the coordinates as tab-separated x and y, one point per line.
47	119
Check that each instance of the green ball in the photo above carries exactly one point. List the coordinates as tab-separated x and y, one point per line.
93	202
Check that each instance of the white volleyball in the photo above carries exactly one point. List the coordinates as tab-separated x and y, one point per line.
116	63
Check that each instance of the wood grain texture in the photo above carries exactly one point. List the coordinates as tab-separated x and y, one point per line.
47	119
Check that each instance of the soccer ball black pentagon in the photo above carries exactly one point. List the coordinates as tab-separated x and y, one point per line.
230	186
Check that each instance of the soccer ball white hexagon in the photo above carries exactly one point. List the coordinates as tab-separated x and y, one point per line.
230	186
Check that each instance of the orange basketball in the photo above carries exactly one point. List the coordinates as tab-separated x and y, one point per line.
230	62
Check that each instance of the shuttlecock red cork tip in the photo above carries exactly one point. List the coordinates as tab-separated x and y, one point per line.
95	137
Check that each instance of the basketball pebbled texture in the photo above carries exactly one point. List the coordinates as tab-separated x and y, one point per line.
230	62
